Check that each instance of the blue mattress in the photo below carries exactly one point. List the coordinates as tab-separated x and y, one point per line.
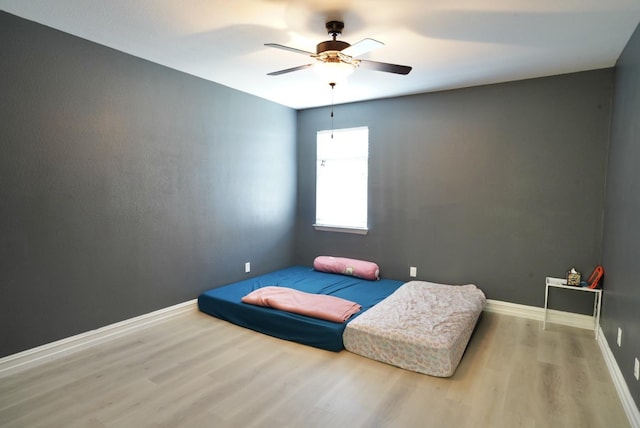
224	303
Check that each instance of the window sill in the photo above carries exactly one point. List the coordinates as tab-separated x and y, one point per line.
341	229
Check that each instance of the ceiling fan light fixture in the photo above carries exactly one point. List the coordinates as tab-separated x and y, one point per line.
333	72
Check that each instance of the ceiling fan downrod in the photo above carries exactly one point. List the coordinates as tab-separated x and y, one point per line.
334	28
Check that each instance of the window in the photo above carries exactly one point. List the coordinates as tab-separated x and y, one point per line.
342	172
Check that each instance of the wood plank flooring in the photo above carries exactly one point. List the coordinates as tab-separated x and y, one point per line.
197	371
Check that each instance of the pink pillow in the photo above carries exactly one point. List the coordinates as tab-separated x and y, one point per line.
359	268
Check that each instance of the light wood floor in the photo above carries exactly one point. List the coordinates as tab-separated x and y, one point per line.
197	371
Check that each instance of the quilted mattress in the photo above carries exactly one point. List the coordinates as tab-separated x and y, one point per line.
422	326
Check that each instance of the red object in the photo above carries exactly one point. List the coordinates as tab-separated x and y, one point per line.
595	277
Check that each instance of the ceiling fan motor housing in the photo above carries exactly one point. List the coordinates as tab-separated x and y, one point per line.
331	45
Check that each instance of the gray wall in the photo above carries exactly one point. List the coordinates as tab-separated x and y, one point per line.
498	185
126	187
621	248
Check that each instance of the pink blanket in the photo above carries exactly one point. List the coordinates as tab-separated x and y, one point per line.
312	305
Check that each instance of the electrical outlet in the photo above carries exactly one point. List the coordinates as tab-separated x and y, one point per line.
413	271
247	267
619	340
636	369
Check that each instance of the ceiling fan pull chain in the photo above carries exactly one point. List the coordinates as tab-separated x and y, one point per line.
333	85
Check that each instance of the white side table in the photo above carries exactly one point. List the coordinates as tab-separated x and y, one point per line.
562	283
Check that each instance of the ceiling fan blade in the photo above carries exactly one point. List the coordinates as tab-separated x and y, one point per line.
362	47
289	70
287	48
383	66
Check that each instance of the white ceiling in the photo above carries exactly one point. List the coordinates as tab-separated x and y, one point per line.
449	43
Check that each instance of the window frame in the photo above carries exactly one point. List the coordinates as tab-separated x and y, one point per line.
338	227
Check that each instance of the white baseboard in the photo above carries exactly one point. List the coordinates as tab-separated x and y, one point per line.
579	321
535	313
629	405
51	351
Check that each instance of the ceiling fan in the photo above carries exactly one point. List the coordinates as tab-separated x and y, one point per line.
336	54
